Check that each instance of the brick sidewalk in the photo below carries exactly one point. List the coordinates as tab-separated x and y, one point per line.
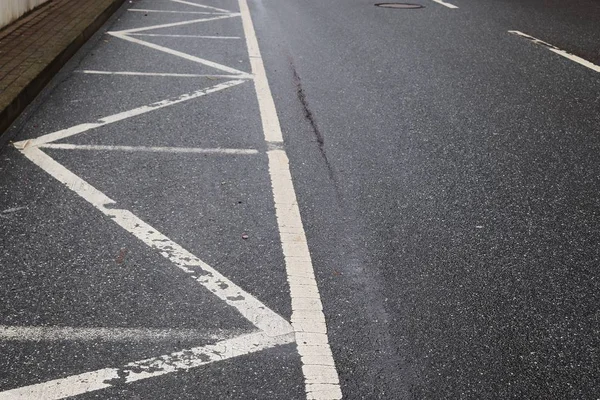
35	47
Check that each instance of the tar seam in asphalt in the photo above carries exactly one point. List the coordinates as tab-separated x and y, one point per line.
313	124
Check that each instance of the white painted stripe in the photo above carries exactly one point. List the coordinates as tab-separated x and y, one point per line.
177	53
246	304
268	113
148	368
171	12
164	74
189	3
184	36
308	321
445	4
558	51
151	149
58	333
62	134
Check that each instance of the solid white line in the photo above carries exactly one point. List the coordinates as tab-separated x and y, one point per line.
445	4
558	51
200	5
308	321
51	137
184	36
253	310
148	368
164	74
177	53
268	113
152	149
171	12
58	333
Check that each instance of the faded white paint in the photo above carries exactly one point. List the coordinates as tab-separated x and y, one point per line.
61	333
163	74
246	304
558	51
148	368
10	10
149	149
308	321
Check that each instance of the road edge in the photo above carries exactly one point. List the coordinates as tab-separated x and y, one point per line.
35	86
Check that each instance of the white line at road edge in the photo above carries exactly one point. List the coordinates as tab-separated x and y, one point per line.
558	51
308	321
445	4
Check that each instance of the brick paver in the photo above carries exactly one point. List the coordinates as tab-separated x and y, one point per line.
31	44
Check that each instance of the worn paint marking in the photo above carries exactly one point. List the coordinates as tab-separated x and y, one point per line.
62	333
256	312
147	368
163	74
148	149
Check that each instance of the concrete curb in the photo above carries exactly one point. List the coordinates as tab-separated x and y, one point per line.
9	114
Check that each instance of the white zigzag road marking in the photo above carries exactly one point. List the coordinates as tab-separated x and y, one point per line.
77	129
252	309
189	3
274	330
172	12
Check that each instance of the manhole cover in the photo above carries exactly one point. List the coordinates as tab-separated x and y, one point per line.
399	5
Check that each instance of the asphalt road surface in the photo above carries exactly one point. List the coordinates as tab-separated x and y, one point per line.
445	173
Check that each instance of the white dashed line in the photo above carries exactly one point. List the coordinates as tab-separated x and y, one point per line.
308	321
558	51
